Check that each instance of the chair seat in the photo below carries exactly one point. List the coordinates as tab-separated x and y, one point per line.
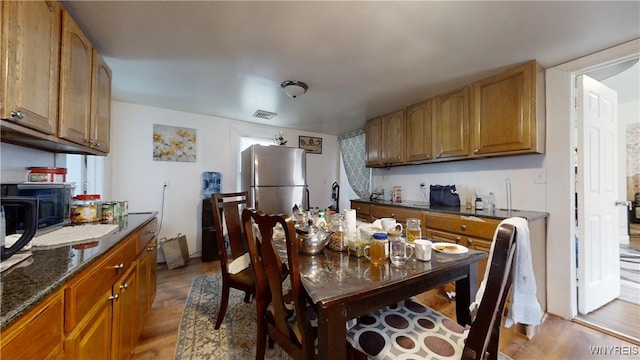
408	328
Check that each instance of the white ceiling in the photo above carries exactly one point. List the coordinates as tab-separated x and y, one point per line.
360	59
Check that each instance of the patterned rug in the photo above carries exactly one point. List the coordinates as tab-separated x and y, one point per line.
629	275
236	338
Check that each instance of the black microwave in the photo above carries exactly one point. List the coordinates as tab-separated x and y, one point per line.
54	206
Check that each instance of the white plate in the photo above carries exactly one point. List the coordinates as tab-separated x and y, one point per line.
449	248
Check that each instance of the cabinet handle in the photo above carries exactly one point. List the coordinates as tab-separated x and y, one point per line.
438	156
463	227
393	216
124	286
114	297
458	239
428	157
119	266
469	242
150	248
475	151
17	115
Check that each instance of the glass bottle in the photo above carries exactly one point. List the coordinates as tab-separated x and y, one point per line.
338	241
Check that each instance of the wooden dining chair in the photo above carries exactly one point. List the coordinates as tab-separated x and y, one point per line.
283	314
229	207
412	327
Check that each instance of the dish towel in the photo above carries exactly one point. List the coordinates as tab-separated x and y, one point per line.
524	308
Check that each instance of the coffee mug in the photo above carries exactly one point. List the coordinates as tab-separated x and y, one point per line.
390	224
423	249
400	252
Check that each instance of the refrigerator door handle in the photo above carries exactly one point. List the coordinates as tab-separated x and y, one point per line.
306	189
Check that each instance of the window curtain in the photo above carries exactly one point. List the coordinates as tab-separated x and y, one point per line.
353	155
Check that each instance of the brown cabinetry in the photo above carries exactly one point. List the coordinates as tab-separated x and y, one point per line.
39	335
75	83
29	64
55	91
363	210
385	140
497	116
472	232
400	214
418	132
508	112
451	125
100	104
99	313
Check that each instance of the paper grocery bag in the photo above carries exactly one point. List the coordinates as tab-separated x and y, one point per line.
175	250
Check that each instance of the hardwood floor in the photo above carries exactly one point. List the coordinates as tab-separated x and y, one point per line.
556	338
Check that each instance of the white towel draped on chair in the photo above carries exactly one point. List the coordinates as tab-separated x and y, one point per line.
524	307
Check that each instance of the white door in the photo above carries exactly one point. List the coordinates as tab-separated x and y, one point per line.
597	187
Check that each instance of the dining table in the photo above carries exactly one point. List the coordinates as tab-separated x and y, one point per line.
343	287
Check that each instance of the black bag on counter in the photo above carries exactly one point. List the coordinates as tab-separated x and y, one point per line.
444	195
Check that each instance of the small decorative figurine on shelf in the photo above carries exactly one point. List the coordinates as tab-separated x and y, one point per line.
280	140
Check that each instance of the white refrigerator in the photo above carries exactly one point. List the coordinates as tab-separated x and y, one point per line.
275	177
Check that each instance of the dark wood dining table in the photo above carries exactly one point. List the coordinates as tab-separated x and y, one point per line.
344	287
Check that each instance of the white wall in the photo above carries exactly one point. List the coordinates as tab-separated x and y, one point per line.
469	176
133	175
14	161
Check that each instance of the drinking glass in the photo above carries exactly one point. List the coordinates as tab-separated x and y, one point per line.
414	230
376	251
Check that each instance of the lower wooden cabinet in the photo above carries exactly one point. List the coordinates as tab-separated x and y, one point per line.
400	214
39	334
363	210
99	313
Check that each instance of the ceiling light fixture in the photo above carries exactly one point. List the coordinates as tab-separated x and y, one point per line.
294	88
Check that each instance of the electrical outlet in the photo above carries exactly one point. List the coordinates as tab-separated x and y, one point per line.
166	183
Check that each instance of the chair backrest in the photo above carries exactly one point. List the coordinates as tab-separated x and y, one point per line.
485	329
229	206
295	337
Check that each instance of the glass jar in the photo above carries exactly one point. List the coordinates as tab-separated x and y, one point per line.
86	208
338	241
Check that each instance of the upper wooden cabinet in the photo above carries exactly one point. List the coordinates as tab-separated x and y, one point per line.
385	140
29	63
508	112
75	83
418	132
451	125
55	89
100	104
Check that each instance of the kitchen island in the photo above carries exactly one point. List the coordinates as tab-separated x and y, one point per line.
73	298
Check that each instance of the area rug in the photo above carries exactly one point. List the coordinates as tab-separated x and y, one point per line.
236	338
629	275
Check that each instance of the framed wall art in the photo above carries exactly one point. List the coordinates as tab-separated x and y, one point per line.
313	145
171	143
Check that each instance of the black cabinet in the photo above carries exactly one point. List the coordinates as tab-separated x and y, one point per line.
208	241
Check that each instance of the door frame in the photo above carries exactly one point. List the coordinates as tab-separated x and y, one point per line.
562	296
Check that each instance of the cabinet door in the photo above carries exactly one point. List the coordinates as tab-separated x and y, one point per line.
147	267
418	132
92	339
451	125
504	112
43	323
100	104
480	245
373	142
75	83
125	325
363	210
29	63
393	139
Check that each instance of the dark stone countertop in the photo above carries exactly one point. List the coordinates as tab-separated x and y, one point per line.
499	214
22	288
